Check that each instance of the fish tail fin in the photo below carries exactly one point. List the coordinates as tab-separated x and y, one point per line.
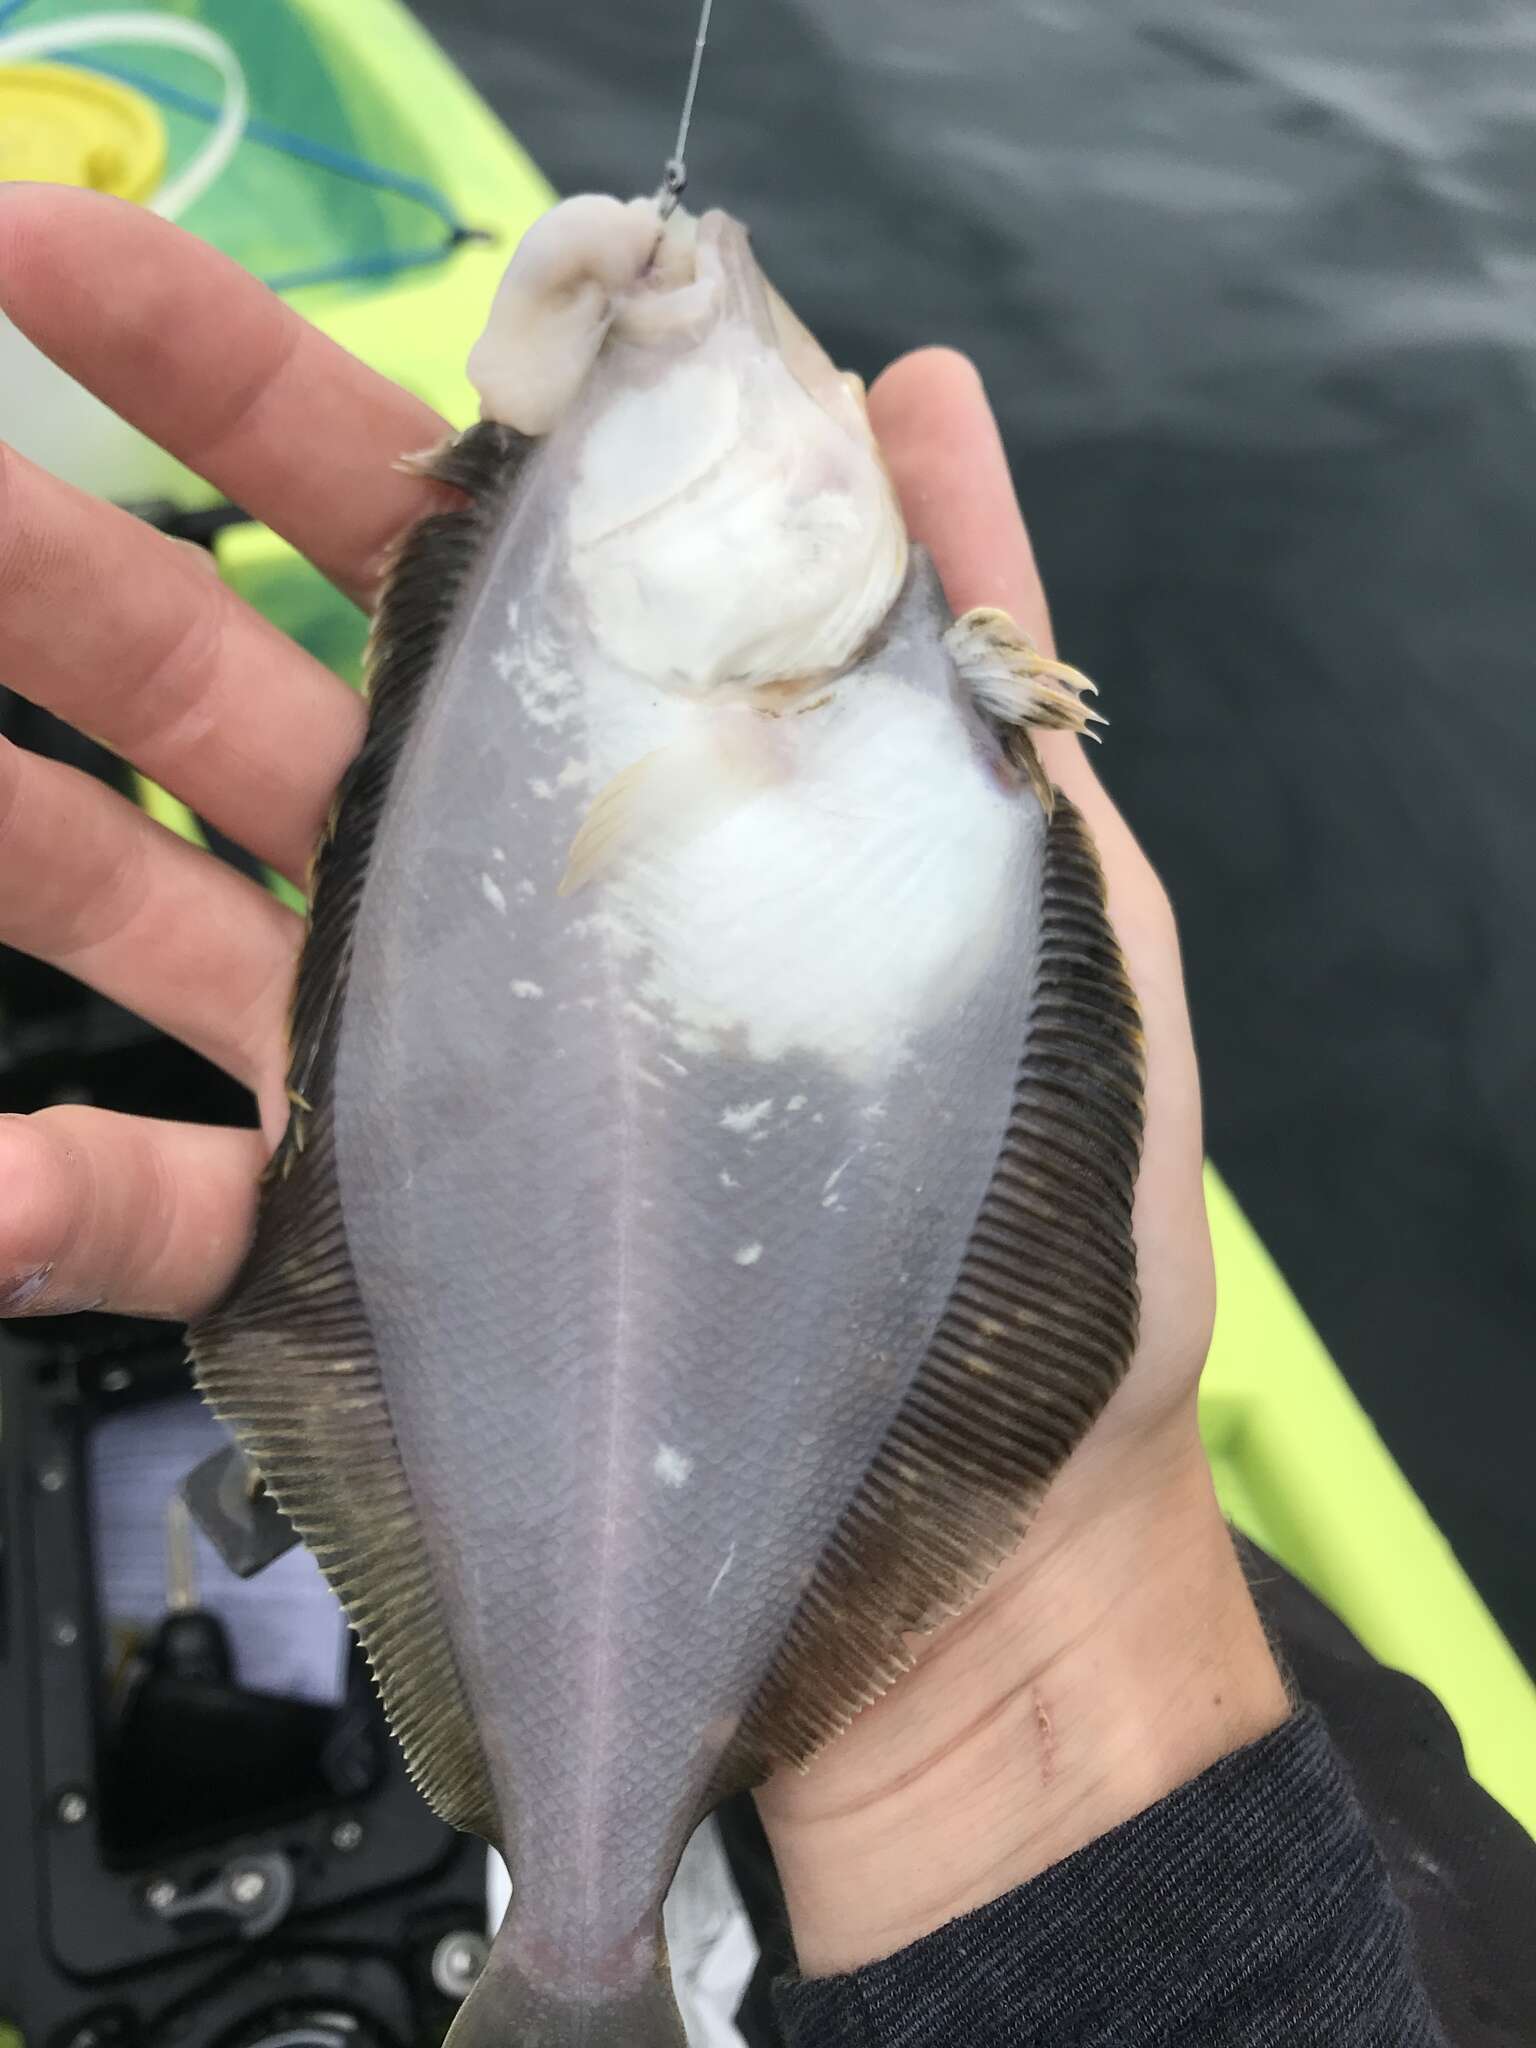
505	2011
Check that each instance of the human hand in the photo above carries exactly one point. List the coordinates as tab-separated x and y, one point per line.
127	635
1117	1654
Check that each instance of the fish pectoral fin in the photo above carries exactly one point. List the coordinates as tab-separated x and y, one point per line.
617	818
1011	682
669	796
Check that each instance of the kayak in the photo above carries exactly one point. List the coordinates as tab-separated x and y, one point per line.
369	183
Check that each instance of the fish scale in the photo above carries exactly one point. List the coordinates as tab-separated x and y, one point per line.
704	1225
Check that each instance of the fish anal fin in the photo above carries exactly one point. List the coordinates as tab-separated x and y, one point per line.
1011	682
288	1359
289	1365
1037	1334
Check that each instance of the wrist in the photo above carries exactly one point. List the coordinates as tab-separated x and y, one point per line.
1113	1659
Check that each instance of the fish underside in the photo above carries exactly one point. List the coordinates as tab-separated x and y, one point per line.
704	1224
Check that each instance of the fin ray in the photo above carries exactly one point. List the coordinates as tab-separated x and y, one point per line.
287	1361
1039	1330
1015	686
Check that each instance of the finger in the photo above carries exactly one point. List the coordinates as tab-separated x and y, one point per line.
127	636
125	1213
192	350
946	456
939	437
941	441
91	885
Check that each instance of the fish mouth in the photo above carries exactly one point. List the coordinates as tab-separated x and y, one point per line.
703	274
701	271
595	267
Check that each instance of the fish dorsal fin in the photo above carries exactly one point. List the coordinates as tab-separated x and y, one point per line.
288	1360
1037	1334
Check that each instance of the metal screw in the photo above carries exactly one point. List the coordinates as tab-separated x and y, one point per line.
72	1807
457	1961
246	1887
53	1478
161	1895
117	1379
347	1835
63	1633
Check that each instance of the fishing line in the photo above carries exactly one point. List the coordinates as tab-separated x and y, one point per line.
675	177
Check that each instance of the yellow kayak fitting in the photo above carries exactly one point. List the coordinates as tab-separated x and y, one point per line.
62	126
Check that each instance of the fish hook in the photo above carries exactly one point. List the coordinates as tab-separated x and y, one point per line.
674	177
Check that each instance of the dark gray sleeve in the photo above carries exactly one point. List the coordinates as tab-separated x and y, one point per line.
1249	1909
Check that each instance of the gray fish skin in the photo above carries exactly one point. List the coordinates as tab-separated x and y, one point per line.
649	1274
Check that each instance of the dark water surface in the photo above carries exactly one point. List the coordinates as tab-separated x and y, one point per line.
1254	288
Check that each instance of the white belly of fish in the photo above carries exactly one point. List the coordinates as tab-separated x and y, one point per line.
821	883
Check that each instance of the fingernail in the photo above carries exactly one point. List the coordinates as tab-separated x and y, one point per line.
24	1290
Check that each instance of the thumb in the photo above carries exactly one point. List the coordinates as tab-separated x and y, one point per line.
941	443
